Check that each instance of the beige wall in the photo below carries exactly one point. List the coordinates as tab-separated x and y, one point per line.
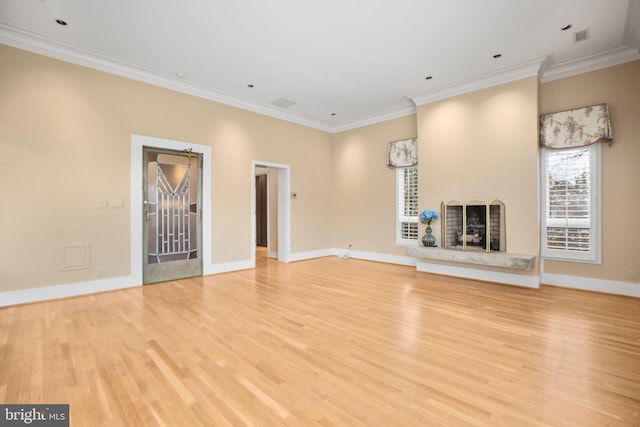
364	187
65	135
483	146
65	138
619	87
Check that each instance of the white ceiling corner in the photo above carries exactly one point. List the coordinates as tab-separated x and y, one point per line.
390	113
591	63
345	64
506	75
41	45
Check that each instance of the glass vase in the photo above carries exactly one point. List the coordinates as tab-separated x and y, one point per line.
428	239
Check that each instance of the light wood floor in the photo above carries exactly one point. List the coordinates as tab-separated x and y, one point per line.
328	342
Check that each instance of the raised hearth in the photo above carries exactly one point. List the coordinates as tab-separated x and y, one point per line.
493	259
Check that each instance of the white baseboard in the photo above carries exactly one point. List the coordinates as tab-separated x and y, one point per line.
102	285
589	284
44	293
300	256
375	256
226	267
478	274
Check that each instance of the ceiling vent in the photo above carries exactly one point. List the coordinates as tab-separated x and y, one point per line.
283	103
581	36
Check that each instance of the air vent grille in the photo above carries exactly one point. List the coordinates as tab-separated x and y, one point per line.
283	103
581	36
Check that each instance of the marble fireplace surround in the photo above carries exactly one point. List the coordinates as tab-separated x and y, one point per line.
523	262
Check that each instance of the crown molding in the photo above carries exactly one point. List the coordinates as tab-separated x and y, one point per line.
505	75
17	38
632	26
541	67
390	113
590	63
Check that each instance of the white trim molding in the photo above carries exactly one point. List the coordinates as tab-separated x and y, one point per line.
590	63
390	113
45	293
629	289
12	36
346	253
542	67
227	267
506	75
320	253
377	257
524	280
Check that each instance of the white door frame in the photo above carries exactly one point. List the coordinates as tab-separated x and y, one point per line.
284	210
137	144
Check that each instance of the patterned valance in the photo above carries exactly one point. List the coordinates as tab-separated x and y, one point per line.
576	128
403	153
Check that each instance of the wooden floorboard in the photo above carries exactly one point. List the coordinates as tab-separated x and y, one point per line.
328	342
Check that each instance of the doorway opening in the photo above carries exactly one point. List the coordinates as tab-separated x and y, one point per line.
270	207
264	204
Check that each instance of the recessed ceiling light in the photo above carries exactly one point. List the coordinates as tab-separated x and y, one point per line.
429	77
565	27
497	55
181	75
61	22
249	85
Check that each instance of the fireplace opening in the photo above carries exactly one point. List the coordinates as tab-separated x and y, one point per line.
475	225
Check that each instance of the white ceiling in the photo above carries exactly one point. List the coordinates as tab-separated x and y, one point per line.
364	60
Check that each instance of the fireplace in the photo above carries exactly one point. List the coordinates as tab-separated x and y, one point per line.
474	225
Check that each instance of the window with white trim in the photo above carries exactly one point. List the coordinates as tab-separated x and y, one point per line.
571	204
407	205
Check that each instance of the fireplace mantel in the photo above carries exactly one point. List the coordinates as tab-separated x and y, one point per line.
493	259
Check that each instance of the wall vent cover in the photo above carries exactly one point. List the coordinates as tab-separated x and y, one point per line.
283	103
581	35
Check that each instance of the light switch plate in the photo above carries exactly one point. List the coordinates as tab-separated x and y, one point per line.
116	204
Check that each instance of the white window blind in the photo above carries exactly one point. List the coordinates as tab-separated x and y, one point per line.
570	215
407	205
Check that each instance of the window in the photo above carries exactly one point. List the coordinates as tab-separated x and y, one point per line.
407	205
571	204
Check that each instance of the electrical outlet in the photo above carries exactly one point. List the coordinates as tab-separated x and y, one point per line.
347	253
634	275
100	271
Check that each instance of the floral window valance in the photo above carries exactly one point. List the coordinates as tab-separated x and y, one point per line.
403	154
576	128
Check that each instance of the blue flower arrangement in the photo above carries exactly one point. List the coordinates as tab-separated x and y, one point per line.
427	216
